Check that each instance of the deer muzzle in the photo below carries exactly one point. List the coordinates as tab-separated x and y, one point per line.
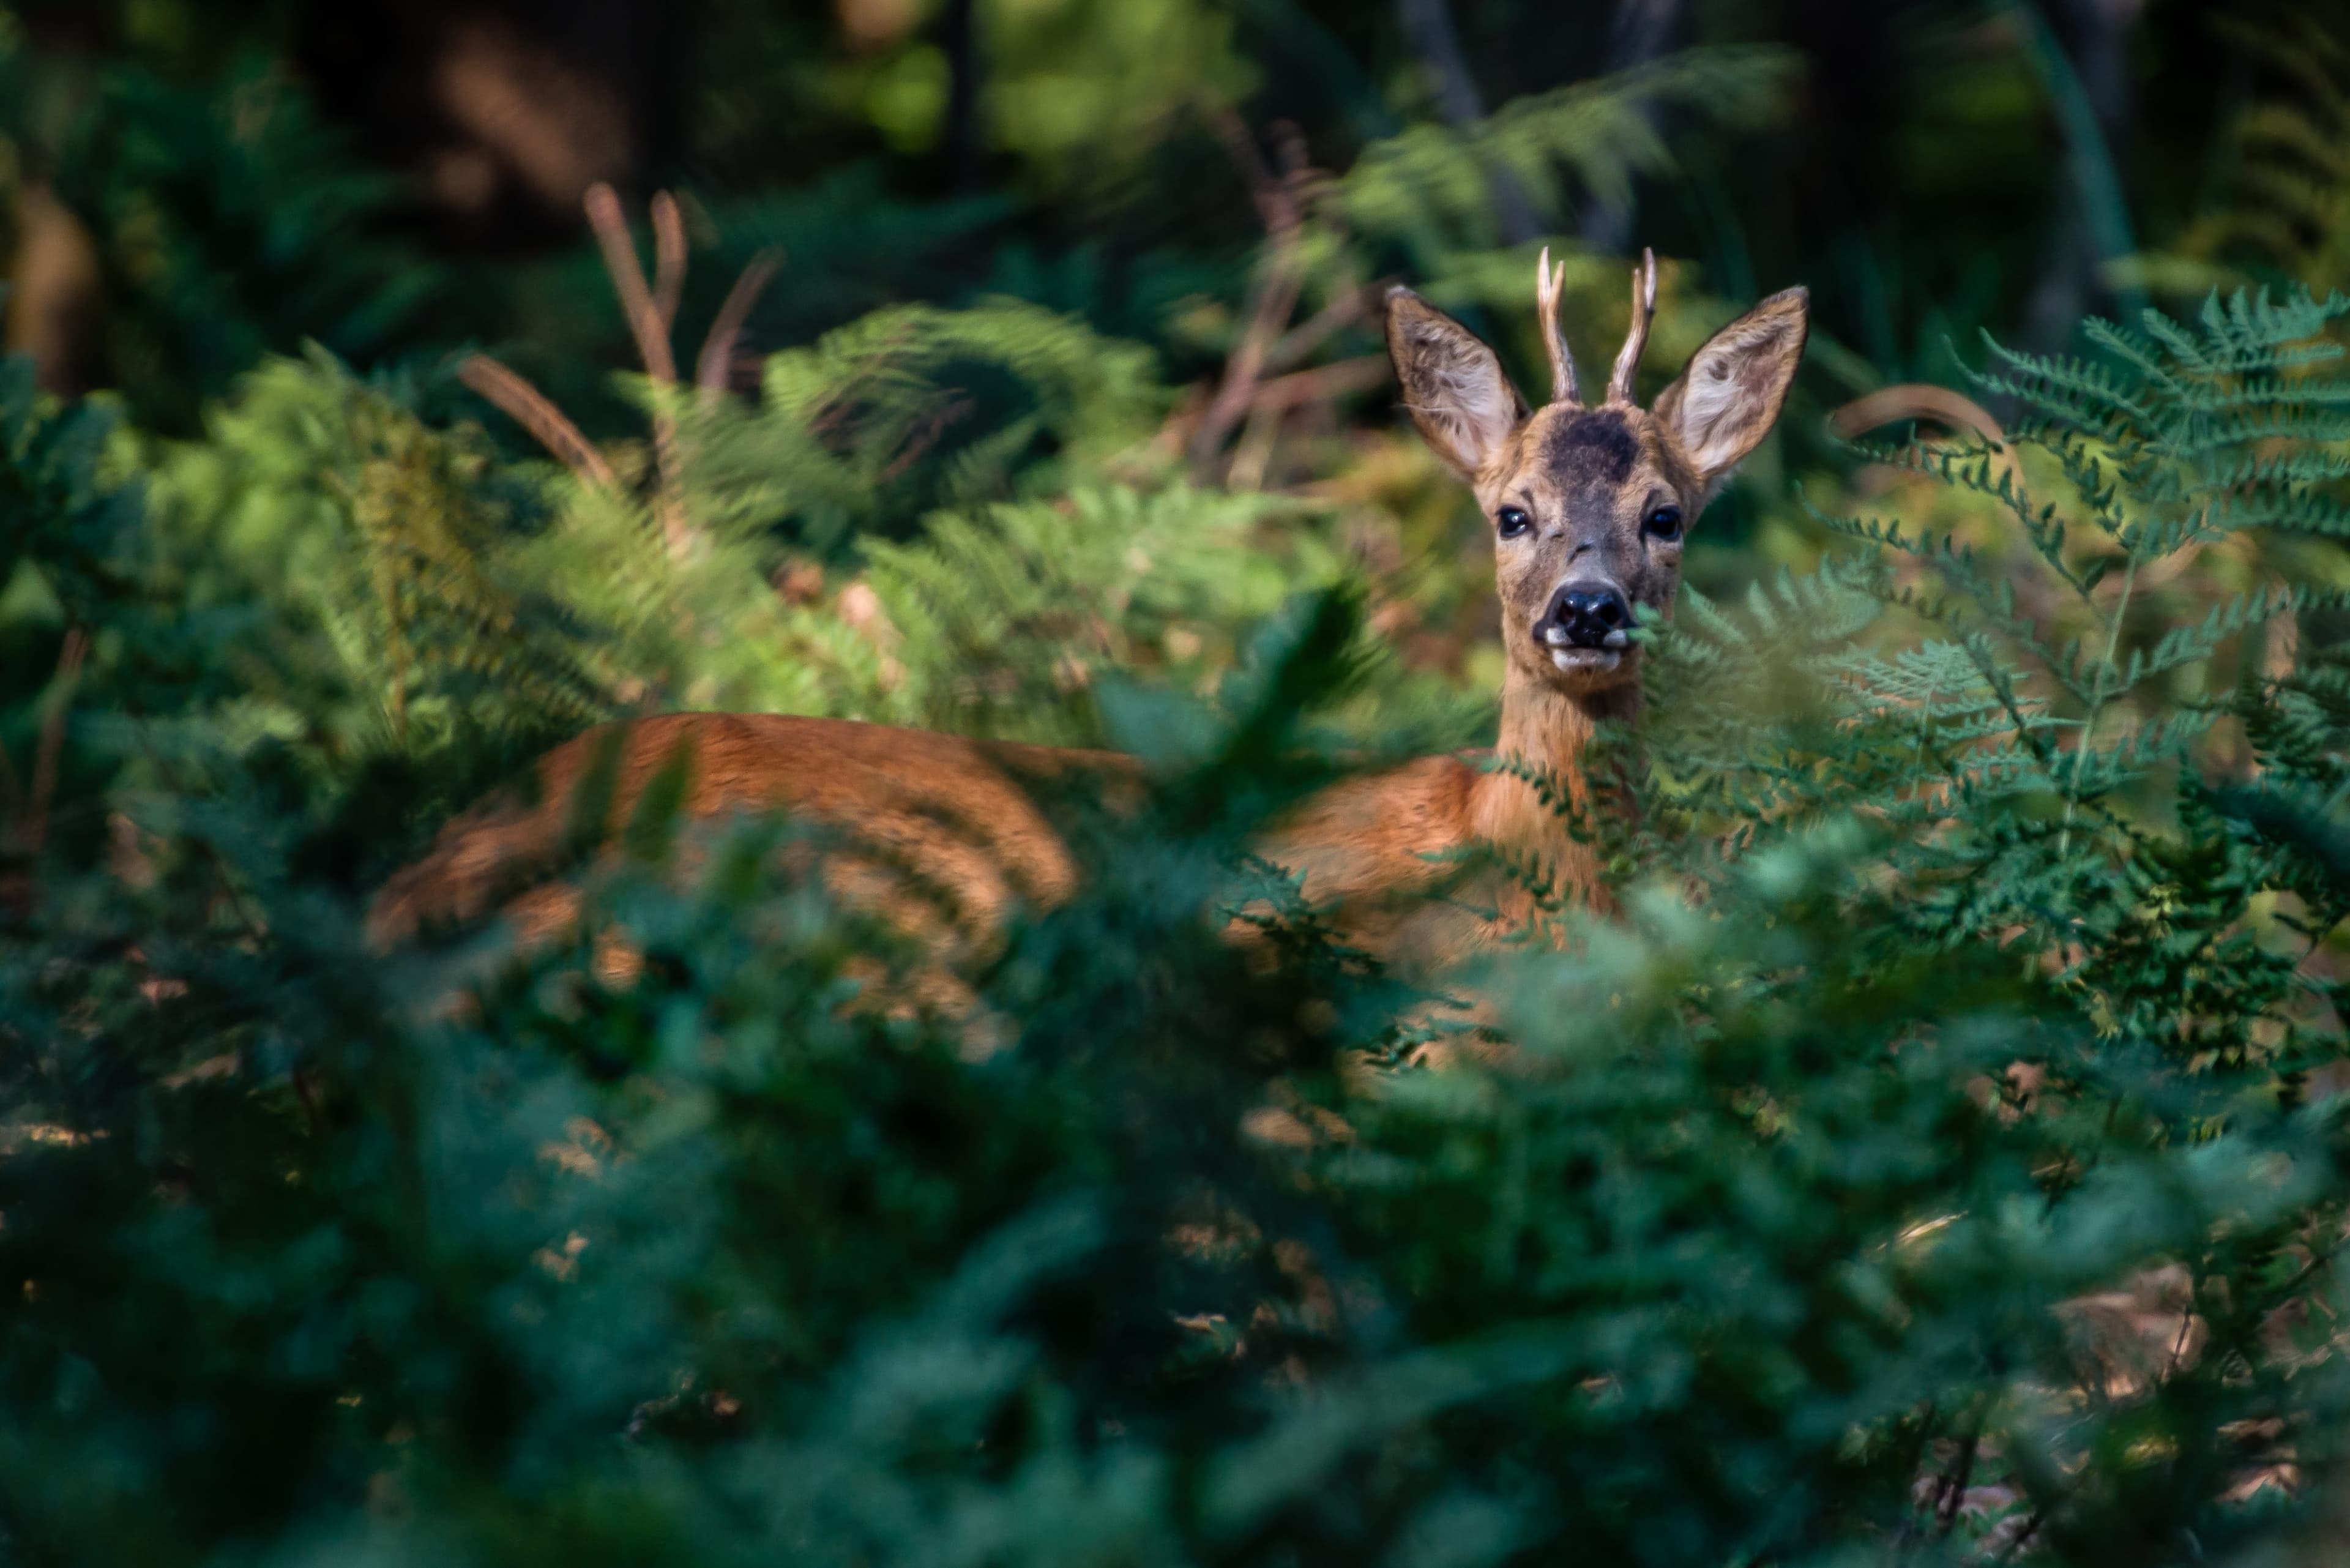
1585	615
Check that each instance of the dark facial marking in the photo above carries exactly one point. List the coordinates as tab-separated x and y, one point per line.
1599	444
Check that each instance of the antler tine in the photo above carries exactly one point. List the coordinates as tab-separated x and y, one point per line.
1636	337
1547	284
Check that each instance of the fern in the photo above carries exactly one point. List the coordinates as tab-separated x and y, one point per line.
1422	196
2045	747
1427	186
391	557
2287	210
1009	617
911	409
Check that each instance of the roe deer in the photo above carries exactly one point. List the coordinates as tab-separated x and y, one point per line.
1589	507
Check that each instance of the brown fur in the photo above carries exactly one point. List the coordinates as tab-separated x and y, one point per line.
960	810
1588	478
959	814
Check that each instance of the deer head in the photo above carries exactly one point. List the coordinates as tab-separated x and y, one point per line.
1589	505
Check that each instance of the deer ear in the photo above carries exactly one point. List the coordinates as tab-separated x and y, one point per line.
1453	385
1728	399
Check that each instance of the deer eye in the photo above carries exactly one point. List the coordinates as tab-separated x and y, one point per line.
1513	521
1664	523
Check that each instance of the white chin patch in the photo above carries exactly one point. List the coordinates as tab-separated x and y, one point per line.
1586	660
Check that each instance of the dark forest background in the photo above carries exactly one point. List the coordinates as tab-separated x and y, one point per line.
1935	1154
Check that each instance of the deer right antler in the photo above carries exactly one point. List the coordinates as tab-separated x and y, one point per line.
1635	337
1547	284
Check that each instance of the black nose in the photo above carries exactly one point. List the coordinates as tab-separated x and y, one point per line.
1584	614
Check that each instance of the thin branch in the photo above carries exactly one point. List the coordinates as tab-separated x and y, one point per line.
627	276
1173	437
649	321
651	316
1254	454
1301	340
1275	207
2106	673
52	737
529	408
669	262
1272	296
711	370
1274	398
1333	380
669	506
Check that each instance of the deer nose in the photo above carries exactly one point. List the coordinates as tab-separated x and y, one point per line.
1585	615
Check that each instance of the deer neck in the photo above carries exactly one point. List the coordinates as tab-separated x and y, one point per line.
1544	735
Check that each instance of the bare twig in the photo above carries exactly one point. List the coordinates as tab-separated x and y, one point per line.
1333	380
1301	340
650	323
669	506
1275	205
1273	295
627	276
53	738
669	262
1253	454
529	408
1173	437
711	369
1274	400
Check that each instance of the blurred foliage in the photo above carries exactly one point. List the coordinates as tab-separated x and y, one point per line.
1936	1157
387	550
2287	209
228	221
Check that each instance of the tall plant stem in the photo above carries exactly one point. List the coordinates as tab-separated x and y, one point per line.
2097	708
